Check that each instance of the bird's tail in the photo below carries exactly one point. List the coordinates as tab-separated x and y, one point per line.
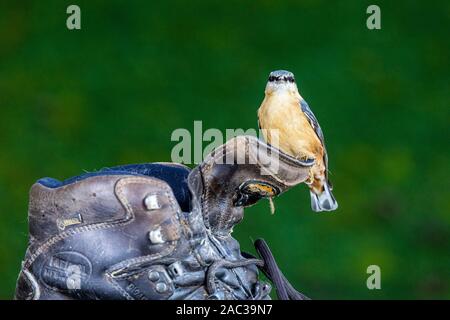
324	201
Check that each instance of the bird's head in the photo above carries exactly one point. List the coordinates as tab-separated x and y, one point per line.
281	81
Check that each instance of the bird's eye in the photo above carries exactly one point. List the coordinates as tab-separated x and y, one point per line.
271	78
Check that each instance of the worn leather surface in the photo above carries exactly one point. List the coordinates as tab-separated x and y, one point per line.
123	234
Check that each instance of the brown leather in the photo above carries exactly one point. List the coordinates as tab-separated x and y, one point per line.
124	236
236	164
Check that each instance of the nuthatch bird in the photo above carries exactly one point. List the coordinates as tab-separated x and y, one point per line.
288	124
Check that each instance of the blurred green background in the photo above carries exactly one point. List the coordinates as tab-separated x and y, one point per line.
113	92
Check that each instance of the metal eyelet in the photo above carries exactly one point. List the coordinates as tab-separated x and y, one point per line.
151	202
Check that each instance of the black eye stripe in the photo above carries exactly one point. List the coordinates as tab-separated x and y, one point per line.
288	79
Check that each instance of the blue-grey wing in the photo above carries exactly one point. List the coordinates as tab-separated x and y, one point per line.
315	125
